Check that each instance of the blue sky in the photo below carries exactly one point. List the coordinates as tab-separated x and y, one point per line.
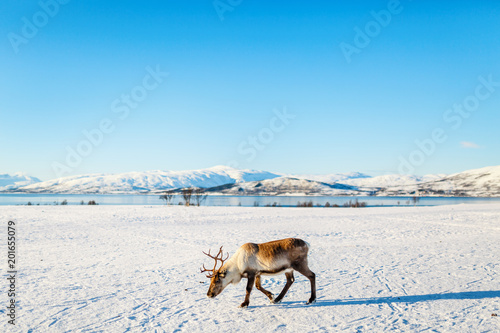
232	68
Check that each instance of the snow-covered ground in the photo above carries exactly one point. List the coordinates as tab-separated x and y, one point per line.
136	268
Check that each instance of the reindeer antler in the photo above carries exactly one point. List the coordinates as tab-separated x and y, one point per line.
217	258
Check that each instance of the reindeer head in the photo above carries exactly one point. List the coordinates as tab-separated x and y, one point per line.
218	278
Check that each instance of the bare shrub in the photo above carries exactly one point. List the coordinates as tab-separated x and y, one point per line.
186	194
199	196
168	196
354	204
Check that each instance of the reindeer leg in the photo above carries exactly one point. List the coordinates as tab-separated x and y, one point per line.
304	270
251	280
259	287
289	281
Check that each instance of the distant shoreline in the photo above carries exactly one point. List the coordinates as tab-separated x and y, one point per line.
243	200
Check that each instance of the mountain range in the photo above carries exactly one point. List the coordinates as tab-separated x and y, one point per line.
15	181
484	182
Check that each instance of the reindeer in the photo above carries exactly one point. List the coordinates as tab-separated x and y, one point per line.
253	260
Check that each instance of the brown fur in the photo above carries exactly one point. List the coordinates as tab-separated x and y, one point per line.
273	257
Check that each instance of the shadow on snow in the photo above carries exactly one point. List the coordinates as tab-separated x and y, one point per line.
400	299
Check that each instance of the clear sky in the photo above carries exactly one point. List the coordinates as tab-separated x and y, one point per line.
294	87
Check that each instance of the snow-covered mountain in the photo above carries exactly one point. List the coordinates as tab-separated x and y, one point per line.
285	186
374	185
483	182
333	178
387	181
147	182
19	179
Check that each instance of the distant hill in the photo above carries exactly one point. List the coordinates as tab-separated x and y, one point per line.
484	182
285	186
388	181
333	177
147	182
15	181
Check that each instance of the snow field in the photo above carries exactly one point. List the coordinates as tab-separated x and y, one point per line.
136	268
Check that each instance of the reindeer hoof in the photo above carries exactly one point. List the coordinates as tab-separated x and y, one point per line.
276	301
311	301
243	305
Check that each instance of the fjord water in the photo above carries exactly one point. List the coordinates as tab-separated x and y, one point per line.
222	200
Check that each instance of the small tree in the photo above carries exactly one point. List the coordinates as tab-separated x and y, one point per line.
167	196
199	196
65	202
186	194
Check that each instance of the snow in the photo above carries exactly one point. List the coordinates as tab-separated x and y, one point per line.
484	182
477	182
149	181
365	181
285	186
493	171
18	179
136	268
386	181
334	177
